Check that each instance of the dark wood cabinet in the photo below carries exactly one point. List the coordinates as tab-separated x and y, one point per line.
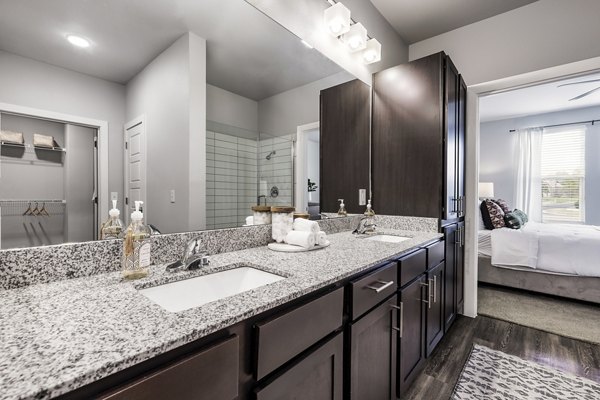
412	327
210	374
460	268
435	310
451	238
345	120
418	139
317	376
373	341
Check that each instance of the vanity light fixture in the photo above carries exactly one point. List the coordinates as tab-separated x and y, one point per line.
78	41
356	38
337	19
372	53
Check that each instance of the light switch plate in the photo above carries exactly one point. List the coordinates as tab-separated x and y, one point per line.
172	195
362	197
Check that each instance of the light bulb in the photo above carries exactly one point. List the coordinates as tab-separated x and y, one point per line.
356	37
372	52
337	19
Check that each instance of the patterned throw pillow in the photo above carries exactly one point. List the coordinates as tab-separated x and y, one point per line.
513	220
503	205
521	215
493	216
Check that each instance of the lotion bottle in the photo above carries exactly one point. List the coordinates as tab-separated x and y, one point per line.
136	246
342	211
113	227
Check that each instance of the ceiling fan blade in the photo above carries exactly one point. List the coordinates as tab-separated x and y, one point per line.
578	83
585	94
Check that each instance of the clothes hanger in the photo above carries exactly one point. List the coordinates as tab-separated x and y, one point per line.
36	210
43	211
28	211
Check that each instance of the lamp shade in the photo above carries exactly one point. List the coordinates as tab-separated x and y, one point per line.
356	38
486	190
372	53
337	19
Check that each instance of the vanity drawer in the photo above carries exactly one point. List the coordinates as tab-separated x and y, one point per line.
412	266
435	254
210	374
370	290
284	337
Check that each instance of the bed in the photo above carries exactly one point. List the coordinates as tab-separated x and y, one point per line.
562	260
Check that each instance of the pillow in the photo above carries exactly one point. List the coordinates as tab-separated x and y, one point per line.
493	216
481	224
503	205
521	215
513	220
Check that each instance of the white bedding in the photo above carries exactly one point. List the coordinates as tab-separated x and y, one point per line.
567	249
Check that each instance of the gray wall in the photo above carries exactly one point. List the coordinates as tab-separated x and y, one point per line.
281	114
497	154
540	35
172	97
231	109
31	83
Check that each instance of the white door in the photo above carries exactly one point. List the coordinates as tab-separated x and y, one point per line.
135	165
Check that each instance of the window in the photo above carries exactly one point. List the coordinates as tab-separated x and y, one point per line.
563	174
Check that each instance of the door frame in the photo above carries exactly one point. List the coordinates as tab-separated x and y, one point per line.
141	119
474	93
301	163
100	125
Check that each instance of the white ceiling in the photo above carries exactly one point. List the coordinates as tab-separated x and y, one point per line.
421	19
247	52
544	98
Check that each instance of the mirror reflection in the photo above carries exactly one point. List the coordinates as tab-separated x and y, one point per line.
193	108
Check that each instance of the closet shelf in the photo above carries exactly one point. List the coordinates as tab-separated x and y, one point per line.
31	147
23	201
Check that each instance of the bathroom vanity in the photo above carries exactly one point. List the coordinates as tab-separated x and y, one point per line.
321	332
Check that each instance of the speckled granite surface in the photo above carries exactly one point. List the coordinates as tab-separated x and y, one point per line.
59	336
22	267
407	223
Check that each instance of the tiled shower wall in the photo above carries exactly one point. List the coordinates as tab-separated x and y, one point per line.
278	171
231	176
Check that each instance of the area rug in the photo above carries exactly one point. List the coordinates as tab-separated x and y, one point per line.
562	317
493	375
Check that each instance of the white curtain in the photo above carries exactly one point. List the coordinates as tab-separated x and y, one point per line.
528	193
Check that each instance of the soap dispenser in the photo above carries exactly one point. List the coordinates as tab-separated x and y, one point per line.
113	227
342	211
136	246
369	212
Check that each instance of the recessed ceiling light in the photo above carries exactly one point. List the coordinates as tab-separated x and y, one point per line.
78	41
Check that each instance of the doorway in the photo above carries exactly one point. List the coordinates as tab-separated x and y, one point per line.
308	169
135	165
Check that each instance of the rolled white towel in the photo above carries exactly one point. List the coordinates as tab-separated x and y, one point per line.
304	225
302	239
322	239
250	220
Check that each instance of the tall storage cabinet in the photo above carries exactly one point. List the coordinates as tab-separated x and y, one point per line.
418	156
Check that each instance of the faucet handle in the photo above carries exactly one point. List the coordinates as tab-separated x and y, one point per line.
192	249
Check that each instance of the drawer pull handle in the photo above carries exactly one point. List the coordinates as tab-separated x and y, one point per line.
384	285
435	288
401	327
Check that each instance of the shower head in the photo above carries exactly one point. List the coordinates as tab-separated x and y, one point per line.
268	157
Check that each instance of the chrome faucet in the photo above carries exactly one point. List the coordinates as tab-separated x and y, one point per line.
365	225
194	257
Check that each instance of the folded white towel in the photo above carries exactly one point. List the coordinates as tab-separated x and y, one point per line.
304	225
322	238
250	220
302	239
43	140
11	137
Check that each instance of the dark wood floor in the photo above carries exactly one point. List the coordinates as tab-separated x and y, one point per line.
445	364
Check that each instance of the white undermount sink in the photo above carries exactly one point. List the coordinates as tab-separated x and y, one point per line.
194	292
388	238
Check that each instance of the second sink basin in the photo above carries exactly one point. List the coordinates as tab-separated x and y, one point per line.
194	292
388	238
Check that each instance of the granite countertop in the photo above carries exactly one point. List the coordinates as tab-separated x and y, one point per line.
59	336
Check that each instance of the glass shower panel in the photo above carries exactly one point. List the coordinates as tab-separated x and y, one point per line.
276	172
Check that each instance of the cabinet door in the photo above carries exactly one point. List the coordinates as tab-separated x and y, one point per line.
460	146
435	311
373	353
460	268
451	237
318	376
344	145
412	333
451	136
210	374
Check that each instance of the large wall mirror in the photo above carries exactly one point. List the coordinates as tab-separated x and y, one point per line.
193	107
